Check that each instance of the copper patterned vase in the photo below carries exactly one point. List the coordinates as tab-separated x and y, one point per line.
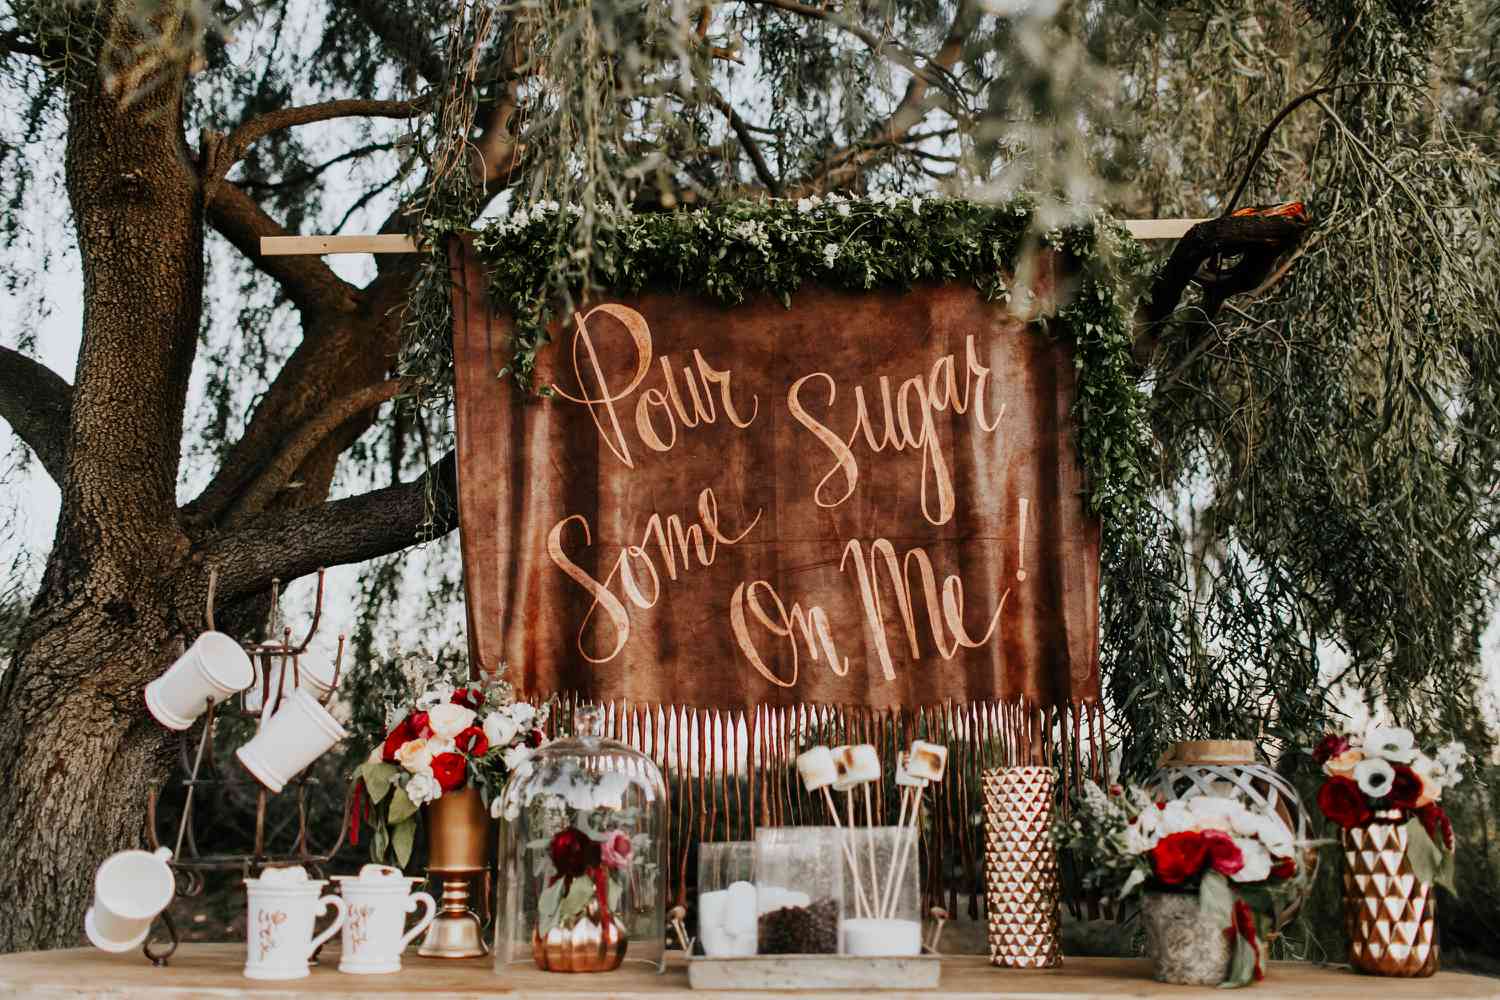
1389	914
588	944
1021	889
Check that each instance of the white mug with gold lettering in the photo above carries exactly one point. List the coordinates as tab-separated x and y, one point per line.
283	908
376	903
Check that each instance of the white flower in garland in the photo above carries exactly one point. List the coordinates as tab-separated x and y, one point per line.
916	206
805	205
423	788
830	254
1374	775
1390	743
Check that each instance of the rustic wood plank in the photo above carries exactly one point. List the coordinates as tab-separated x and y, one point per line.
214	970
287	246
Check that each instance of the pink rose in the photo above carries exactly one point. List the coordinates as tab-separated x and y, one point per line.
615	850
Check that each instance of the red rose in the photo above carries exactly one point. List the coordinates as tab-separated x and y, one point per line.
472	741
419	725
1284	868
469	698
573	853
403	733
535	738
1343	802
1406	788
1329	747
1223	853
1434	821
448	769
1178	857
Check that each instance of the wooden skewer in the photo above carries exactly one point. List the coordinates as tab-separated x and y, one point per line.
848	854
906	845
875	892
854	853
888	899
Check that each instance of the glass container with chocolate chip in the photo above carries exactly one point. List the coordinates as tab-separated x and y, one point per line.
799	888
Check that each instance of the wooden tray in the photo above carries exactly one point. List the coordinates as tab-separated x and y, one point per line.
816	972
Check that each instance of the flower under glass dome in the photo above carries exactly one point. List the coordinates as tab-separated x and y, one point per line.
582	882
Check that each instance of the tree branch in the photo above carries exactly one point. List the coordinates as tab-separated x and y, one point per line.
279	471
747	141
35	401
386	24
307	280
223	151
1259	241
289	544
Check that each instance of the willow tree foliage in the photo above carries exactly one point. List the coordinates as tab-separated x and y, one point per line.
1321	409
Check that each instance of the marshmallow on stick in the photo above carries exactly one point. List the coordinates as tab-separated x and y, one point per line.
927	760
817	768
861	766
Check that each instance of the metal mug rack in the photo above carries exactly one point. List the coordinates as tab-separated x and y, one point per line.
275	662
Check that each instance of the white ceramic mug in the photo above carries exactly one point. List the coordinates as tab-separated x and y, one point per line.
376	904
213	668
313	675
130	889
279	939
300	731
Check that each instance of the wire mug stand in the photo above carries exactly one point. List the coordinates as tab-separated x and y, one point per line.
277	659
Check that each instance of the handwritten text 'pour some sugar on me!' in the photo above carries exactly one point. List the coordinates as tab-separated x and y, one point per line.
659	415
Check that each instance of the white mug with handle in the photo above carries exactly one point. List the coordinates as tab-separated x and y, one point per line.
130	889
377	902
300	731
213	668
284	905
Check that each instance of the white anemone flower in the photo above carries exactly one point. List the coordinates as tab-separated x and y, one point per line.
1257	866
1391	743
1374	775
1215	813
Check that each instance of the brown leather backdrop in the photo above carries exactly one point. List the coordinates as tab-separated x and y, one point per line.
866	500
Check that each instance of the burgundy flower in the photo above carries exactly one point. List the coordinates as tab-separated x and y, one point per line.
1283	868
1437	824
573	853
1329	747
1406	788
1224	855
448	769
468	698
535	738
1178	857
1343	802
472	741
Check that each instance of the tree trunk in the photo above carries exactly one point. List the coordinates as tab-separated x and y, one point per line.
77	748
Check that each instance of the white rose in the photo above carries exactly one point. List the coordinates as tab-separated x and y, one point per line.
1214	813
1390	743
1374	776
447	721
500	729
518	759
423	788
1177	818
524	714
1257	861
415	756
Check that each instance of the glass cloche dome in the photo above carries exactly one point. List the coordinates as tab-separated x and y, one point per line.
583	841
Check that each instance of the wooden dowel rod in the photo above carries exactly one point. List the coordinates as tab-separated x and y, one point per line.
293	246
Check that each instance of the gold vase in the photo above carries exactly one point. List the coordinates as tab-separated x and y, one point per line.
588	944
1389	914
1021	889
460	837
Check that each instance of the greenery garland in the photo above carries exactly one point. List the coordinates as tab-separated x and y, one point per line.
735	251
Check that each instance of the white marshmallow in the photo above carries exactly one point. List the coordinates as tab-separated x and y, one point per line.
904	777
740	913
843	782
928	760
817	768
861	763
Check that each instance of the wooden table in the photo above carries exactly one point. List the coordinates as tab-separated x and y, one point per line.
213	970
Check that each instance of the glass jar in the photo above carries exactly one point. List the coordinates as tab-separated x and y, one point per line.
727	911
799	889
881	892
583	844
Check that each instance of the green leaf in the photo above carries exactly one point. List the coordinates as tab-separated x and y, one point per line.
1216	900
402	838
1429	862
1241	965
548	905
380	842
401	807
580	894
379	776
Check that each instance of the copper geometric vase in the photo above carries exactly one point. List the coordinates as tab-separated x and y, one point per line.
1389	914
1021	889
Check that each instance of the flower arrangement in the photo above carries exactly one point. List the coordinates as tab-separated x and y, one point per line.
1242	864
452	738
586	869
1381	771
